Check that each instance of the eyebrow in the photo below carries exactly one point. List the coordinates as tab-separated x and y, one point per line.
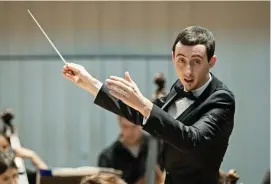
195	55
179	54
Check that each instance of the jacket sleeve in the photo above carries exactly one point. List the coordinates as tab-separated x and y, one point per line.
103	161
116	106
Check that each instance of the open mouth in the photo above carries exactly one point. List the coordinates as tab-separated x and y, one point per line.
189	80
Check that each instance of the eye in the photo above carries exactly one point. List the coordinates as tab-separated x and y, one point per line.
181	60
196	61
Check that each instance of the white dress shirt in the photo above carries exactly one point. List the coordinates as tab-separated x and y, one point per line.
180	105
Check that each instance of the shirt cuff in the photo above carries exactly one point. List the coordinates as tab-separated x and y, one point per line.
98	85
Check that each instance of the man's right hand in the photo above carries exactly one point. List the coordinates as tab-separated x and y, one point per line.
79	76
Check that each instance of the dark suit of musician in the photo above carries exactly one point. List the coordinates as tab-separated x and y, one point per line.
196	141
194	120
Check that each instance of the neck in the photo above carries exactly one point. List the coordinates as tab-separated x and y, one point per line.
207	77
204	80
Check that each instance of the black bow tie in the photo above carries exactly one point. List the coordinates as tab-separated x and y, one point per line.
181	93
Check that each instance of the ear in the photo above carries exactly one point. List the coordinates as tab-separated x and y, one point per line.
212	62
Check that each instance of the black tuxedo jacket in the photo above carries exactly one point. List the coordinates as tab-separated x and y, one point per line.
196	141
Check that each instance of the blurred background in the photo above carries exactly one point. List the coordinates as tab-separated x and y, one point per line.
60	122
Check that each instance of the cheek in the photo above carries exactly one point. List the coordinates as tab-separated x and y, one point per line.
124	133
200	71
179	69
129	133
4	180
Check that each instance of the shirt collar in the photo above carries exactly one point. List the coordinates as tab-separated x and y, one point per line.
199	91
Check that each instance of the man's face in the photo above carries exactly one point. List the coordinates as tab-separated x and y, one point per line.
191	65
131	133
9	177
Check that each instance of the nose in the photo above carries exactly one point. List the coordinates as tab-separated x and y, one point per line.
188	70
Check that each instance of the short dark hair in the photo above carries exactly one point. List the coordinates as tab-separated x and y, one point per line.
7	160
195	35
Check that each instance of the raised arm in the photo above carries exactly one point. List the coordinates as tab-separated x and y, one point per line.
79	76
104	96
29	154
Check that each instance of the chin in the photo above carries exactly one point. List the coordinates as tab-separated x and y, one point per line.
132	141
189	87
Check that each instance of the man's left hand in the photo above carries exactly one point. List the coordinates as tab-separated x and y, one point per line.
126	90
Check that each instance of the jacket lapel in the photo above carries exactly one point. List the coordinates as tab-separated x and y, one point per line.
170	100
206	93
171	97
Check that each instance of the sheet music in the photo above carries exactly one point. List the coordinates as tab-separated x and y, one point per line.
15	143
